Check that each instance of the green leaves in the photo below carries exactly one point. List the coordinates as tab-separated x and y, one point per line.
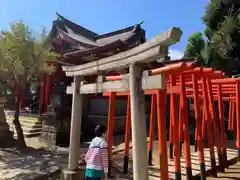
23	55
221	49
195	46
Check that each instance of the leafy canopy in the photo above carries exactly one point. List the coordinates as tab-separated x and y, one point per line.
23	55
222	45
195	46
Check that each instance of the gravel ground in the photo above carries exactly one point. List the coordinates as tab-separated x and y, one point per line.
45	164
30	164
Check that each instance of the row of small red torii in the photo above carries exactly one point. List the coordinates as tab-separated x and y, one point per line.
204	86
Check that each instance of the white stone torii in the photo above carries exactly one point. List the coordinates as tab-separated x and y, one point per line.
135	82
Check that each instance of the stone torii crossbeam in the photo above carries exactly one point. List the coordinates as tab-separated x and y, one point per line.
136	82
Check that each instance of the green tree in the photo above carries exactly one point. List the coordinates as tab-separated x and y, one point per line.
221	47
222	19
195	47
22	57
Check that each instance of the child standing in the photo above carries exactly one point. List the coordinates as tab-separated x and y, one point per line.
97	156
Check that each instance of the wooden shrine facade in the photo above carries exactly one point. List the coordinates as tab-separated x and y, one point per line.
78	45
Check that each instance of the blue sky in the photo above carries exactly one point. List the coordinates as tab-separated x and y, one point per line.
108	15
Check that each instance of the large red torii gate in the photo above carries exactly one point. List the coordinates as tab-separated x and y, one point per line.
204	86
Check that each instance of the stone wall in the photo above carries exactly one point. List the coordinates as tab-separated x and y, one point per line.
49	129
55	129
100	106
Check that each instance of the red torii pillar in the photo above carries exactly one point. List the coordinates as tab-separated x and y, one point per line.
174	124
48	91
110	127
199	137
42	94
151	128
238	117
46	86
221	119
214	121
127	137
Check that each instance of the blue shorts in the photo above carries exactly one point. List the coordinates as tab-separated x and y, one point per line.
89	178
92	174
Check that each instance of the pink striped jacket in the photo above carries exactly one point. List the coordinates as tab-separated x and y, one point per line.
97	155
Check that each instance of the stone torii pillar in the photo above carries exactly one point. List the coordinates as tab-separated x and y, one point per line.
75	131
138	116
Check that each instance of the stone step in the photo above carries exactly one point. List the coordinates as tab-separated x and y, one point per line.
27	125
28	134
30	129
25	119
31	126
26	129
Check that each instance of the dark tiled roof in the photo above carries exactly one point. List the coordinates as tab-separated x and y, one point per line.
80	39
61	22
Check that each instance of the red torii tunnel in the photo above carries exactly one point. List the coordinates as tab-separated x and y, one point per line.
205	87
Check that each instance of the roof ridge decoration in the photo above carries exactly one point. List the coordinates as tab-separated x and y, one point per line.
59	17
141	22
62	19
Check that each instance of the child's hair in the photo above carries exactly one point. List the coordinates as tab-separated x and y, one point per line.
99	130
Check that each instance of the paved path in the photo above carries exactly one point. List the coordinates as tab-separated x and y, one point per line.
154	171
31	164
36	163
232	173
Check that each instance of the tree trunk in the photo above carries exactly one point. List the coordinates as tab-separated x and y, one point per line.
16	122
